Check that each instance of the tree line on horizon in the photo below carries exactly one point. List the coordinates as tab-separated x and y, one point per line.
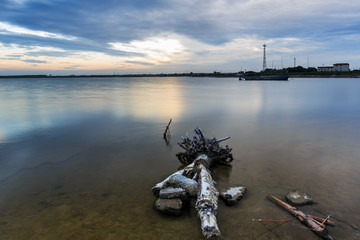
299	70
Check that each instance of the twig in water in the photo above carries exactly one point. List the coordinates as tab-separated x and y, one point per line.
167	129
328	221
270	220
322	224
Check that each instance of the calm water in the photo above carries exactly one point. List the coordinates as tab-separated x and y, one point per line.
78	157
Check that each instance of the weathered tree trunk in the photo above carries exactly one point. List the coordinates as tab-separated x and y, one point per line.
156	189
207	199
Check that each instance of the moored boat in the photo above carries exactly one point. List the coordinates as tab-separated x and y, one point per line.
246	77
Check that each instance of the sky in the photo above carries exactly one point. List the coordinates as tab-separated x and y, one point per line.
166	36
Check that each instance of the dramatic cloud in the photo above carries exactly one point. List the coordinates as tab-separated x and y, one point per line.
178	35
6	28
151	47
33	61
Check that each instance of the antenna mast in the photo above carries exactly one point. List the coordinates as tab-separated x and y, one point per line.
264	60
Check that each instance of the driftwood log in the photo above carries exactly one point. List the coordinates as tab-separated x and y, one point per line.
309	221
200	153
207	198
165	183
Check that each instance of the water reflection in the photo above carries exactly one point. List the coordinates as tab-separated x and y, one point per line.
27	104
156	100
88	151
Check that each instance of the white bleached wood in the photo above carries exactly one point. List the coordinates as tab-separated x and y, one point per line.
207	195
207	202
156	189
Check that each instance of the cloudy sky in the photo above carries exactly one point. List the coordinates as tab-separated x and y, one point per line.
154	36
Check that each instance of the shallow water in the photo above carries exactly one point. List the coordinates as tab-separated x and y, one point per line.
78	157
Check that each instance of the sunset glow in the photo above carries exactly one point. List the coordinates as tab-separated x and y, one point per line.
64	37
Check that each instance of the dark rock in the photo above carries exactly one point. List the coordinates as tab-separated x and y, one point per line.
180	181
299	198
233	195
172	193
353	226
169	206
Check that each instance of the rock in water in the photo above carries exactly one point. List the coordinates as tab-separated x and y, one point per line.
172	193
169	206
233	195
299	198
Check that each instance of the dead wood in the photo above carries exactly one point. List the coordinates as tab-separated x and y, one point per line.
207	198
271	220
167	129
156	189
200	153
322	220
314	225
199	144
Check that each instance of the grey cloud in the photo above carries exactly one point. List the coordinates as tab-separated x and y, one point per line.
15	55
48	53
72	67
33	61
140	63
11	58
211	21
72	46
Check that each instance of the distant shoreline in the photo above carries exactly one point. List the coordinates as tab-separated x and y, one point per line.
354	74
327	76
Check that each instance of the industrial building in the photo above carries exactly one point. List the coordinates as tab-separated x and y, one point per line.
337	67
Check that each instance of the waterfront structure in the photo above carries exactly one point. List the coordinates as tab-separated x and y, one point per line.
341	67
337	67
264	59
326	69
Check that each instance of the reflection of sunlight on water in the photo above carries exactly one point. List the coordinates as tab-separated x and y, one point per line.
254	104
247	104
48	102
2	135
149	102
259	99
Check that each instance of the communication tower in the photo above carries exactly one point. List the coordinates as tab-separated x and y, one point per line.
264	60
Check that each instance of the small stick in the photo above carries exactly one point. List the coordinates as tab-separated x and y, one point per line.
322	224
167	128
322	219
271	220
222	139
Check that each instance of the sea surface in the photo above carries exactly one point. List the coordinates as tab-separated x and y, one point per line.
78	156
